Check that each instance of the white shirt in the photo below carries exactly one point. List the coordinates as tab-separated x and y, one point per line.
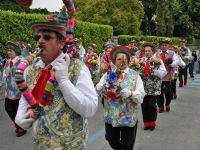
82	97
137	95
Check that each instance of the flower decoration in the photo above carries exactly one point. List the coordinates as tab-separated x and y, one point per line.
155	61
93	61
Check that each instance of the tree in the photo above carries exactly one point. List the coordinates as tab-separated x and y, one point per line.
125	16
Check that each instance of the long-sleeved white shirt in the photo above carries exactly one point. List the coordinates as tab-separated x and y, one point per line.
82	97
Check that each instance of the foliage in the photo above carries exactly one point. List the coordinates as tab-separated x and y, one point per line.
125	16
125	39
14	27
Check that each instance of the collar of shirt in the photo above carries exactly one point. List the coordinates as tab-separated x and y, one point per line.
14	60
41	64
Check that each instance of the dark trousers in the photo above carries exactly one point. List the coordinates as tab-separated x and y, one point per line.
11	107
183	72
121	138
173	86
149	108
191	69
165	94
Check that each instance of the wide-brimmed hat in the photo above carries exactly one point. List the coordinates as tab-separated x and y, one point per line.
14	46
50	24
120	49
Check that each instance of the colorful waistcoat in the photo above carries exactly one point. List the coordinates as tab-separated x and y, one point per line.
170	70
58	127
12	91
121	113
152	84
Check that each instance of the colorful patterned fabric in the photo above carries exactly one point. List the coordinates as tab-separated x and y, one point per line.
58	127
152	83
12	91
121	113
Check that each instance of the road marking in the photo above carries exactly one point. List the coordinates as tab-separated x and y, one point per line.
96	135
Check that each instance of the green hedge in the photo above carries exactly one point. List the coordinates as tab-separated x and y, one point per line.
125	39
14	27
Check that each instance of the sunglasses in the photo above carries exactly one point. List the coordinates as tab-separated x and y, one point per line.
46	37
90	48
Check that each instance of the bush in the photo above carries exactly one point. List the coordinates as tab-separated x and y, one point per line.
14	27
125	39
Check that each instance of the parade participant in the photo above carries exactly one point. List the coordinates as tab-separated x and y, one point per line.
170	60
192	64
106	63
59	120
122	90
152	73
185	54
140	52
12	94
91	61
133	48
180	64
80	50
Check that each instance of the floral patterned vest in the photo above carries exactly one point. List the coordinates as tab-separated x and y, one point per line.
152	84
58	127
118	112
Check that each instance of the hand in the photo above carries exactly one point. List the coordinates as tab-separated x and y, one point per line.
61	70
125	93
25	121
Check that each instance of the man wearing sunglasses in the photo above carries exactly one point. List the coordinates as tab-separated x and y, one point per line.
61	123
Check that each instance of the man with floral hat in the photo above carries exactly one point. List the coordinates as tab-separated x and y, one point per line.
122	90
60	122
12	94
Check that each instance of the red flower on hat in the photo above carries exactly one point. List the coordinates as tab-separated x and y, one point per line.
26	3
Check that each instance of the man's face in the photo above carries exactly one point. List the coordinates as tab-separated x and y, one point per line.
50	45
121	59
164	47
11	54
78	43
182	44
148	51
90	49
132	44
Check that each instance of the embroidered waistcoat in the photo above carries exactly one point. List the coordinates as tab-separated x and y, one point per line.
121	113
59	127
12	91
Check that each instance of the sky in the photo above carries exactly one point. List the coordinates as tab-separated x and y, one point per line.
51	5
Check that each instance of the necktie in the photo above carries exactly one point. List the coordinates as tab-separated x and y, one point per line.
41	83
147	70
11	64
163	57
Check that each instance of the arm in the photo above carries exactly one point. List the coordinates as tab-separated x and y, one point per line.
82	97
161	72
22	118
175	60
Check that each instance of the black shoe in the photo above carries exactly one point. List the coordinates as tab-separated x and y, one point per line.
20	133
181	85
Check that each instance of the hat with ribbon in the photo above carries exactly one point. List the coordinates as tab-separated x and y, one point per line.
14	46
120	49
50	24
165	41
110	45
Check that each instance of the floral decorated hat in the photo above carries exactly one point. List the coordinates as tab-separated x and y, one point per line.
50	24
120	49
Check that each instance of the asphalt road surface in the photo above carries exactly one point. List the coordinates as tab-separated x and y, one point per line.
178	129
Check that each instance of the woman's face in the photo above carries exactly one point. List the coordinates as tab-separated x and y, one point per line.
148	51
121	59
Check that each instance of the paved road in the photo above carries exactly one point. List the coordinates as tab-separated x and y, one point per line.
177	130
